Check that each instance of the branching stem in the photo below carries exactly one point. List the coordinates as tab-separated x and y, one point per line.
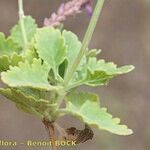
21	18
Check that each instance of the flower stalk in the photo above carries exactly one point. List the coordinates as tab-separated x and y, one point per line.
86	41
21	18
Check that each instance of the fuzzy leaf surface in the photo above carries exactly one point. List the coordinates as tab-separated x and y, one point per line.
97	73
51	47
30	28
29	104
89	111
6	61
28	75
73	46
7	45
108	67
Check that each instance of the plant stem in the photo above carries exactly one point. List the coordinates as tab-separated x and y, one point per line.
51	133
21	18
86	41
61	131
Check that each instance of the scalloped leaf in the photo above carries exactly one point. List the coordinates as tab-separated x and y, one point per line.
108	67
7	45
30	28
87	110
73	46
33	75
37	94
97	73
92	53
100	72
39	107
79	98
6	61
51	47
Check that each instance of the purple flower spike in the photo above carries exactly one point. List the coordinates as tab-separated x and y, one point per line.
88	9
68	9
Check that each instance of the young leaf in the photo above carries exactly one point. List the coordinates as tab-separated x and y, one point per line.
6	61
27	75
97	73
100	72
89	112
51	47
30	28
108	67
7	46
93	53
31	54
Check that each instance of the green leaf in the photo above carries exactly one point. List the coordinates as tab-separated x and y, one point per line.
108	67
98	78
7	46
30	55
37	94
30	28
73	46
100	72
6	61
28	75
78	98
88	110
51	47
92	53
39	107
96	73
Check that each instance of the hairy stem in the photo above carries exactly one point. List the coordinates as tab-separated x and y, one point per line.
21	18
86	41
51	133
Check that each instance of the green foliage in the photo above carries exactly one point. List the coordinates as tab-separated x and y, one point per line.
93	53
100	72
35	79
7	46
73	46
28	75
51	47
38	107
97	73
85	106
30	28
6	61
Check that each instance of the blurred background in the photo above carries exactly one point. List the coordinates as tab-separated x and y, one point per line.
123	34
